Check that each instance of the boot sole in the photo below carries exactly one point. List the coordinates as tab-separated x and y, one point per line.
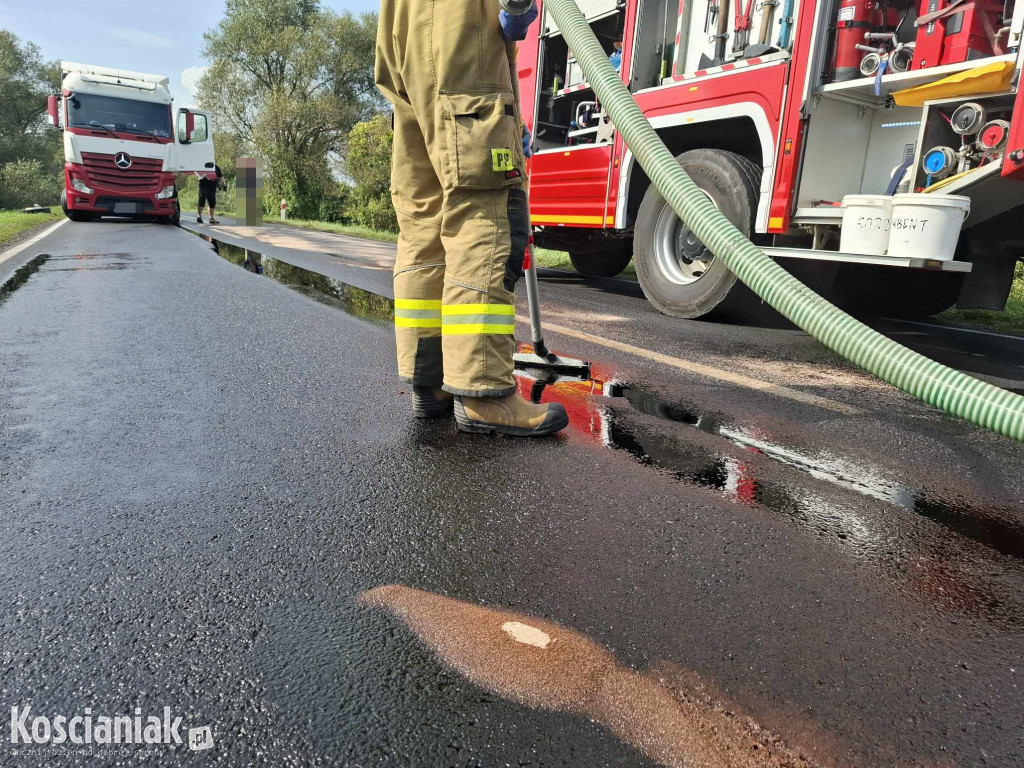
432	413
472	426
435	410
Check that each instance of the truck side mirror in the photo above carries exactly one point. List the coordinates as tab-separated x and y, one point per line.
51	110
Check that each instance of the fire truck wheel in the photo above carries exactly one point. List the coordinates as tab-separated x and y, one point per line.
679	276
607	263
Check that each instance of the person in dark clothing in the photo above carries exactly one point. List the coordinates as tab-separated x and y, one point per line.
208	193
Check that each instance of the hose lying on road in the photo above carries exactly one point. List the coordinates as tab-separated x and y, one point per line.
951	390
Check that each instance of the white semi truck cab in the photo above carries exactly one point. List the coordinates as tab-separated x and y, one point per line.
124	143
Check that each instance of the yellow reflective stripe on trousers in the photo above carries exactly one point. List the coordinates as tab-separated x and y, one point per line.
418	304
478	329
478	319
478	309
417	313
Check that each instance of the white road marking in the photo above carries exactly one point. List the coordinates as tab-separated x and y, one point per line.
11	253
524	633
704	370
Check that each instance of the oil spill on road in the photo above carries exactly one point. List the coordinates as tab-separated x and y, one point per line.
540	664
938	569
357	302
991	527
97	262
21	275
688	463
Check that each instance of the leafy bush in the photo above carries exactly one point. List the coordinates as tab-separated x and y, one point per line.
373	211
26	182
368	163
334	205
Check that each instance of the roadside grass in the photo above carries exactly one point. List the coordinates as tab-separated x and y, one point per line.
560	260
1010	320
352	230
188	199
553	259
13	223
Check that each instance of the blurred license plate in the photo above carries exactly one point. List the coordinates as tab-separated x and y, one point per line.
127	208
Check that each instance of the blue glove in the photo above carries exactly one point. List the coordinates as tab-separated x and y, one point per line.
527	142
513	28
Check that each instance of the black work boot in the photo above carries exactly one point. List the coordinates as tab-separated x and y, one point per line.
431	402
511	415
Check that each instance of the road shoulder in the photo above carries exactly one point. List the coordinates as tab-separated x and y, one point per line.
9	256
16	226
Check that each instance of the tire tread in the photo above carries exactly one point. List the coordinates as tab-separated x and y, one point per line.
747	175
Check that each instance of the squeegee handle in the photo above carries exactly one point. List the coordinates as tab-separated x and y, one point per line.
533	301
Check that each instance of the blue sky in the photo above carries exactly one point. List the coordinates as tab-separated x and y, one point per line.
157	37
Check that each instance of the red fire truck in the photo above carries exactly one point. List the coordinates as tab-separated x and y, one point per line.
874	148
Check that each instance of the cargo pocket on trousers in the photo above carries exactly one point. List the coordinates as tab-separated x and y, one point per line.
481	141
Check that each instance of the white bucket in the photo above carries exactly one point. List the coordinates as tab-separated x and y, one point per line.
865	224
927	226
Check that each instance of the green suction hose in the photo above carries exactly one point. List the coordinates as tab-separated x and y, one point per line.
948	389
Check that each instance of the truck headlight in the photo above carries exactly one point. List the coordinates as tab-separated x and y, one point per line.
166	192
80	186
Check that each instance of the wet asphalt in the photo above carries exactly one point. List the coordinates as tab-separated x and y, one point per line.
204	470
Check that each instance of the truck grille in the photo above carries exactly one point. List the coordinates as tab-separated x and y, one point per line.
143	176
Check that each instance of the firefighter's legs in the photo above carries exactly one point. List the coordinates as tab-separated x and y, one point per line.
485	235
477	309
457	173
420	266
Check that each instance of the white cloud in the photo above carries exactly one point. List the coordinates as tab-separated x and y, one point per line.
140	37
190	79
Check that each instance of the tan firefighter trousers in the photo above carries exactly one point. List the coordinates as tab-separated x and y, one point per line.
457	181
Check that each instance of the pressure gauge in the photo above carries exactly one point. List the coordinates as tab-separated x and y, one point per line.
994	135
938	163
968	118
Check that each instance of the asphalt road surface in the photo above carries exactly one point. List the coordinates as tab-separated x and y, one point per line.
742	552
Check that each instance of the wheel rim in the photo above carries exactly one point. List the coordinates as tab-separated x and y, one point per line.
681	257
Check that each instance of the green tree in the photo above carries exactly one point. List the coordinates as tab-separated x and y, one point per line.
226	148
368	163
25	82
290	79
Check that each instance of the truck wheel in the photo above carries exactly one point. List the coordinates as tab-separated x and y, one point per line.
175	218
74	215
607	263
679	276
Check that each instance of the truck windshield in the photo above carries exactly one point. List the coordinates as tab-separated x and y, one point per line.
123	115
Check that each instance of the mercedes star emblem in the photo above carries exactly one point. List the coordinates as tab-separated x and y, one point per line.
123	161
